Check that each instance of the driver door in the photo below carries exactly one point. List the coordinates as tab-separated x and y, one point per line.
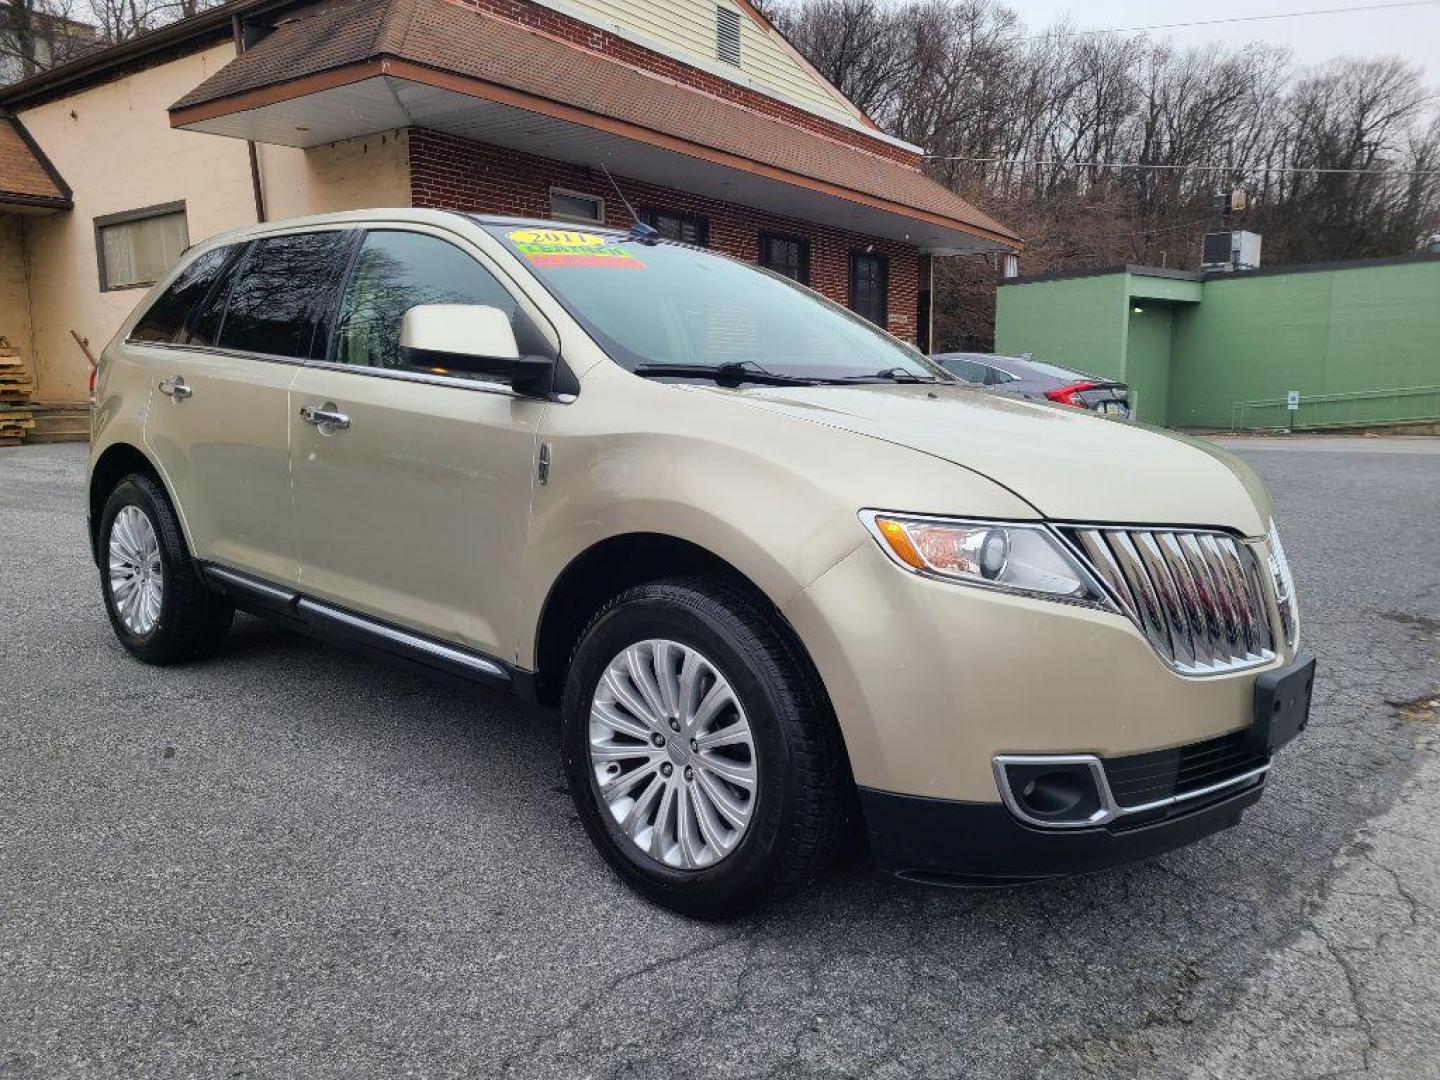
416	510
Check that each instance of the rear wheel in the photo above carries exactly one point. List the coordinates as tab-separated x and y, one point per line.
704	763
158	607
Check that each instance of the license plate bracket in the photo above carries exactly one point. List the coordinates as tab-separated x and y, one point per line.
1282	705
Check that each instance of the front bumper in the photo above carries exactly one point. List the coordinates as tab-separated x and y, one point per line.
930	680
944	842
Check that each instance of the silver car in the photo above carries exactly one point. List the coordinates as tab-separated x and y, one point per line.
1021	376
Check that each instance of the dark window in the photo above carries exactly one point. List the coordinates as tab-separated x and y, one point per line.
394	272
576	206
967	369
276	300
687	228
870	286
167	317
786	255
205	322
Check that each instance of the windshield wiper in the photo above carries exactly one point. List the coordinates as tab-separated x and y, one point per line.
893	374
745	371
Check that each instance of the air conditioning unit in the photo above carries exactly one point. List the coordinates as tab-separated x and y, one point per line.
1230	251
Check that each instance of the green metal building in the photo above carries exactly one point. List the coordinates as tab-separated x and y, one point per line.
1359	341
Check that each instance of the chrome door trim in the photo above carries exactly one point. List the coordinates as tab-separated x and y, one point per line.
479	385
404	638
246	583
331	621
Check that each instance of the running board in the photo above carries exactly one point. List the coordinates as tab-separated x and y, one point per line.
345	627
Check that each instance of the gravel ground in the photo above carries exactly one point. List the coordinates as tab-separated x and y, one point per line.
288	862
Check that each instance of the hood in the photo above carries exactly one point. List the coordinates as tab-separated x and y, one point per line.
1069	464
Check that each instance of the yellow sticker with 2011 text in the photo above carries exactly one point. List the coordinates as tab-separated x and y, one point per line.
562	247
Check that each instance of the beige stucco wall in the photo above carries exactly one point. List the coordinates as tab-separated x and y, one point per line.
114	145
15	286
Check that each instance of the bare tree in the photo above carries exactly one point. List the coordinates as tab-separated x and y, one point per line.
1104	149
36	35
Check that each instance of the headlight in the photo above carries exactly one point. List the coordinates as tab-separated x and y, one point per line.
1284	587
1027	559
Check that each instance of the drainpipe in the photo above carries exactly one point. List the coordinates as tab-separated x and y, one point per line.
237	32
925	326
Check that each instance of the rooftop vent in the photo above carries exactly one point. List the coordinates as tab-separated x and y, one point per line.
727	34
1230	251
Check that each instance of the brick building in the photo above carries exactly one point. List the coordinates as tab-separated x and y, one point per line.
697	114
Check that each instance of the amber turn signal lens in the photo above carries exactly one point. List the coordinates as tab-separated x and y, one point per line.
899	542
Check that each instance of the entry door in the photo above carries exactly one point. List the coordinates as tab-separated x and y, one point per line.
413	504
219	419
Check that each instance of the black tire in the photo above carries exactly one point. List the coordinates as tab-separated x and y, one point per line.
193	620
804	792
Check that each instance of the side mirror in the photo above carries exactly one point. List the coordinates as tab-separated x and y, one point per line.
475	339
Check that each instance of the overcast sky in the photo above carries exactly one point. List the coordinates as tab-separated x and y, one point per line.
1413	32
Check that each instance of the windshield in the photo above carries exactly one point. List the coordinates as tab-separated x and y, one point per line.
673	305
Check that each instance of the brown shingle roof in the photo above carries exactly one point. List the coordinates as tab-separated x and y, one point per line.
26	176
457	40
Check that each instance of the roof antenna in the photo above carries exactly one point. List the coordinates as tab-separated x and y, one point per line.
639	231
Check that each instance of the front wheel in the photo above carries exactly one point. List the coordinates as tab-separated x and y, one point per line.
705	764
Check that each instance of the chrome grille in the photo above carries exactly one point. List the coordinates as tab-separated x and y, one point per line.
1198	596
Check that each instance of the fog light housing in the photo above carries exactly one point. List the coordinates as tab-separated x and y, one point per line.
1062	791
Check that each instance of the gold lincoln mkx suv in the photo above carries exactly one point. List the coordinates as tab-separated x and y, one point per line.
779	573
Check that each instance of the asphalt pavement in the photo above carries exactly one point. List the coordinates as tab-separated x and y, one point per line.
288	862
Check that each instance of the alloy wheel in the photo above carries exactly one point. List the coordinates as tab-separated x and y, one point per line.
673	754
137	580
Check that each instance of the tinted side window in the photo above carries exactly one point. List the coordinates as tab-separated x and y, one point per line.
166	319
204	328
966	369
276	299
394	272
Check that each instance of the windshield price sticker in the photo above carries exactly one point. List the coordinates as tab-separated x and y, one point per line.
560	247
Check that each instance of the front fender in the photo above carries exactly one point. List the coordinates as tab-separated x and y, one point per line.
775	497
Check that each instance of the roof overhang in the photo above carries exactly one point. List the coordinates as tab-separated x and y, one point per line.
29	182
383	93
15	203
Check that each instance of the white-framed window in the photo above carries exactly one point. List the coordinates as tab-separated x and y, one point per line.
136	248
566	205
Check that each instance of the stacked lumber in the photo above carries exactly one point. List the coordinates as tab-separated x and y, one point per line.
61	421
14	423
15	381
15	388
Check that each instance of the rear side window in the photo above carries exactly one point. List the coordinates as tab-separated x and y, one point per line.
394	272
281	287
167	317
966	369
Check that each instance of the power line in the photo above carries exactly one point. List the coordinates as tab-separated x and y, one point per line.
1237	19
1179	168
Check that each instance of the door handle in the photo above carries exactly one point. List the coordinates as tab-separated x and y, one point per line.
325	416
176	388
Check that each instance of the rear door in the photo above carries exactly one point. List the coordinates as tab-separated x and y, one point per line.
416	510
218	427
